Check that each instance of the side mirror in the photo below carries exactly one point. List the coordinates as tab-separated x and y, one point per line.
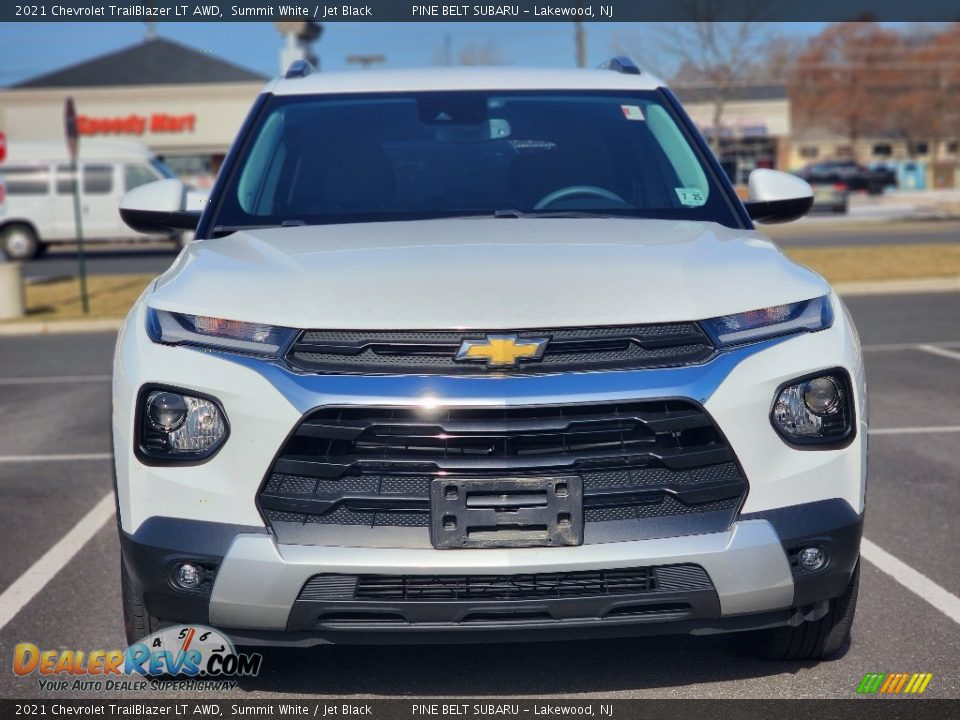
159	207
777	197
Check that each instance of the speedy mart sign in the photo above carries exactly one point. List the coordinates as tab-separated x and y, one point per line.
134	124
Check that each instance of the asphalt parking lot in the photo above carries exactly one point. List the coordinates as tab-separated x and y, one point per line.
59	582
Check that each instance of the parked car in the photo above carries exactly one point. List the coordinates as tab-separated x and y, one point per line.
40	205
851	174
486	355
831	196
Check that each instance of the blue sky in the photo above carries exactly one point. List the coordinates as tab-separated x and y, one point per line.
34	48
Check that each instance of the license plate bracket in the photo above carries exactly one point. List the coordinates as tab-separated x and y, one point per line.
506	512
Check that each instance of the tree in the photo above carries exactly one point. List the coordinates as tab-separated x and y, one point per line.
473	53
724	55
935	72
862	79
842	80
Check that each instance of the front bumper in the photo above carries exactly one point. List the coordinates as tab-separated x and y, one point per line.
169	512
259	593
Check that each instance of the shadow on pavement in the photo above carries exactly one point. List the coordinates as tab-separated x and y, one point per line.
548	668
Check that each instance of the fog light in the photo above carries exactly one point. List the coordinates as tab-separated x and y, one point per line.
189	576
166	410
812	558
178	426
821	395
814	410
202	429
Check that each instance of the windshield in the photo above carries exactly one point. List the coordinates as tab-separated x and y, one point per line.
362	158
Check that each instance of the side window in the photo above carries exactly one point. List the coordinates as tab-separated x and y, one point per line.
257	185
137	175
24	180
66	179
97	179
694	189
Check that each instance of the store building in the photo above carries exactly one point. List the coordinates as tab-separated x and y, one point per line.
755	127
184	104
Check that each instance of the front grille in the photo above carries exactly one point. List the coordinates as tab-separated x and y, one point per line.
372	467
539	586
568	349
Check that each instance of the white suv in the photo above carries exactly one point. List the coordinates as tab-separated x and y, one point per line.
486	354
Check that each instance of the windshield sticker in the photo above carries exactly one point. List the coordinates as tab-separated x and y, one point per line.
691	197
632	112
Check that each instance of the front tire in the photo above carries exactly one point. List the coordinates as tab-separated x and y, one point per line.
19	242
137	622
817	640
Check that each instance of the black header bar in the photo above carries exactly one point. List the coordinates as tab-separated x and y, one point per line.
197	707
522	11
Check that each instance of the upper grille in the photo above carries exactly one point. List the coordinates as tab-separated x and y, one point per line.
373	466
568	349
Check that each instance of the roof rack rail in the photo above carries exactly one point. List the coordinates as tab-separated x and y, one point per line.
621	64
298	69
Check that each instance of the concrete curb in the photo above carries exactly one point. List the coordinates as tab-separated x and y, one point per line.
896	287
57	327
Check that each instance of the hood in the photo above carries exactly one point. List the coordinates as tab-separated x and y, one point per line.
483	273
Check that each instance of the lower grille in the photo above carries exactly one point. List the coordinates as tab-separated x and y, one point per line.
539	586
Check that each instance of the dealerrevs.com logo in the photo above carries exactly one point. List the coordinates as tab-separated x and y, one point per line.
894	683
183	652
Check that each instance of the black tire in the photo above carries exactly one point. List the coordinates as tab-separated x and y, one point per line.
137	622
817	640
19	242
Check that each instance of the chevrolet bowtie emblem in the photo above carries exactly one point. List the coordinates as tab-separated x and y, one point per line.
499	351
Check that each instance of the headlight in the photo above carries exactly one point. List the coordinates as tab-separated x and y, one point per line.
175	426
804	316
815	410
172	328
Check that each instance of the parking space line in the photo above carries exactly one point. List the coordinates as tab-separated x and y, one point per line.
942	352
55	379
915	430
70	457
914	581
910	346
26	587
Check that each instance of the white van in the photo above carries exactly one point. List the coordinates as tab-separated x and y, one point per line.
39	207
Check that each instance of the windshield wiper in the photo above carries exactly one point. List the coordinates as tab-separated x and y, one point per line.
227	229
550	214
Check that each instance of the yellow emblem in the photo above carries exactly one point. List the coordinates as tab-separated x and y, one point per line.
499	351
